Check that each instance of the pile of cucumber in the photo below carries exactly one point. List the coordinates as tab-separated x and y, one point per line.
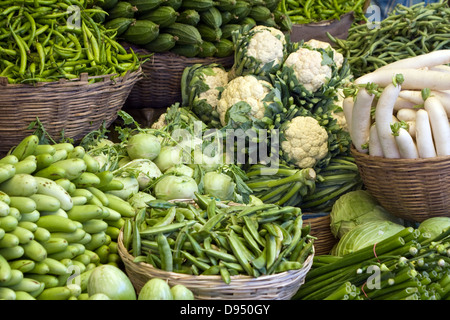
57	221
191	28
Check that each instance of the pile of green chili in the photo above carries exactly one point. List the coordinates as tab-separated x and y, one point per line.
46	40
210	238
406	32
309	11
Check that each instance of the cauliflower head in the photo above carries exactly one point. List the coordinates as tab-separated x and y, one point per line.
317	44
267	45
308	68
215	80
258	51
247	88
306	142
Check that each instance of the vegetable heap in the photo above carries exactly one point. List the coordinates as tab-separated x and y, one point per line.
406	32
408	265
209	238
57	221
290	94
44	42
308	11
401	109
191	28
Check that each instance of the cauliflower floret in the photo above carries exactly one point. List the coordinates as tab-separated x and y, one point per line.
337	57
217	80
306	141
308	68
244	88
267	45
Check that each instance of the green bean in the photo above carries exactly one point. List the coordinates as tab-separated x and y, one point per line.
196	262
165	252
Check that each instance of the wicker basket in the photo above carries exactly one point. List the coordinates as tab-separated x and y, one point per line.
75	106
280	286
320	228
413	189
161	85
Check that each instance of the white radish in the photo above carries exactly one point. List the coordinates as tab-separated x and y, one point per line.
415	79
406	145
440	126
424	136
426	60
374	143
402	103
442	68
413	96
416	97
383	118
347	107
412	128
406	114
361	119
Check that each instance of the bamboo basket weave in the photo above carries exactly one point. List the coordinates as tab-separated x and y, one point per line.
320	228
279	286
75	106
413	189
161	85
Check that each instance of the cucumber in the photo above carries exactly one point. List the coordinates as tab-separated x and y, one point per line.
45	202
85	212
21	184
207	49
228	29
164	42
121	206
119	24
55	244
189	16
260	13
225	48
199	5
211	17
185	33
146	5
86	179
35	251
176	4
227	16
163	16
56	293
141	32
26	147
225	5
23	204
186	50
108	4
55	223
27	165
241	10
123	9
209	34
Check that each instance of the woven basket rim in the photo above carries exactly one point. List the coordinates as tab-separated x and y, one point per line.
367	157
81	80
218	278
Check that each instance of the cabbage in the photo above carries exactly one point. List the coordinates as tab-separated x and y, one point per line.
175	187
366	234
434	226
218	185
355	208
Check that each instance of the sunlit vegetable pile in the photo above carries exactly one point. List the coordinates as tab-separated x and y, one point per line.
42	42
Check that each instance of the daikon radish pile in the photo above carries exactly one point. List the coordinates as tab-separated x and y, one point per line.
407	115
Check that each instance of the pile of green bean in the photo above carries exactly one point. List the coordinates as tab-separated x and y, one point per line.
215	239
309	11
45	40
409	265
406	32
